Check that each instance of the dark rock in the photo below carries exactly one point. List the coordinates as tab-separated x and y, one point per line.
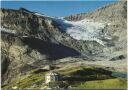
120	57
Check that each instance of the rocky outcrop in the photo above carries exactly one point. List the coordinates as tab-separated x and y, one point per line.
27	39
107	12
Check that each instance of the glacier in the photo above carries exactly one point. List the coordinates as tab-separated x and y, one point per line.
85	29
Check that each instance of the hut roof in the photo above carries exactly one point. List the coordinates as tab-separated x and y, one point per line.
52	73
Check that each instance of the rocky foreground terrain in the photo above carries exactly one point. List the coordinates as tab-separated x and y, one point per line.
30	41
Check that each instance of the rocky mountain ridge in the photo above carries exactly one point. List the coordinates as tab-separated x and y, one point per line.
30	41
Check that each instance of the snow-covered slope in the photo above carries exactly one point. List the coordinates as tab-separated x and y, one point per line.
84	30
38	14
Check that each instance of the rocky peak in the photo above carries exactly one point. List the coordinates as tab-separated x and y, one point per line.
24	10
109	12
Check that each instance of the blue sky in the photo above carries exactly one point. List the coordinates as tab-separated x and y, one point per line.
56	8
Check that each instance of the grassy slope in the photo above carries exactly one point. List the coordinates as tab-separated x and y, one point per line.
104	84
36	78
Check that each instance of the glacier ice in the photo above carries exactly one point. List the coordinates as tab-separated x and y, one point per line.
84	29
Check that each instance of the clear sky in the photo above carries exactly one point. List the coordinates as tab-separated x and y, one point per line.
56	8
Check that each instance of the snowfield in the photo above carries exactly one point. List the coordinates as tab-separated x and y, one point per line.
38	14
84	30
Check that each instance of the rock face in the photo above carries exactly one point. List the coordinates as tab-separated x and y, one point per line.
30	41
108	12
27	39
116	17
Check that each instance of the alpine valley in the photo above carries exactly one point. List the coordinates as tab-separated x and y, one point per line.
92	46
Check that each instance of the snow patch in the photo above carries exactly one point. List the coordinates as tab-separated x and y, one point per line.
84	29
7	31
43	15
38	14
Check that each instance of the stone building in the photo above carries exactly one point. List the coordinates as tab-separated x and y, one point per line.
52	77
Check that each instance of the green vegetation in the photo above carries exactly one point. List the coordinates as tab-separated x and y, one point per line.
88	77
69	71
104	84
86	72
35	77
